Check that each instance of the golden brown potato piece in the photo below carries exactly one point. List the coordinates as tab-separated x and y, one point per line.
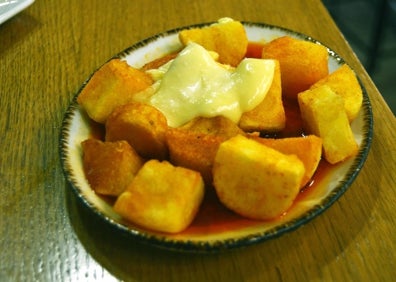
114	84
324	115
227	38
344	82
302	63
219	125
193	150
109	166
155	64
142	125
162	197
308	149
269	115
254	180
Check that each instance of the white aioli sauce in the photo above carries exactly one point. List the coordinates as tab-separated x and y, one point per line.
194	84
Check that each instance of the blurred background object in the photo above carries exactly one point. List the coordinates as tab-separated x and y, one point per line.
370	28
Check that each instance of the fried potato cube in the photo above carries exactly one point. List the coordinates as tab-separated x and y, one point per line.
157	63
269	115
218	125
193	150
109	166
324	115
114	84
308	149
226	37
162	197
255	180
142	125
302	63
344	82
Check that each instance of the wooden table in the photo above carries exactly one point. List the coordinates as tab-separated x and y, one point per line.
48	50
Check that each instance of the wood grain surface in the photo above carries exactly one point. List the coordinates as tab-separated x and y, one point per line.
50	49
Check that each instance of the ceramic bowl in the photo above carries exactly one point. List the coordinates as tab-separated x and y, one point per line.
215	228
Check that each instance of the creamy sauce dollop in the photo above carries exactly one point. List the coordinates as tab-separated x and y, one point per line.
194	84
